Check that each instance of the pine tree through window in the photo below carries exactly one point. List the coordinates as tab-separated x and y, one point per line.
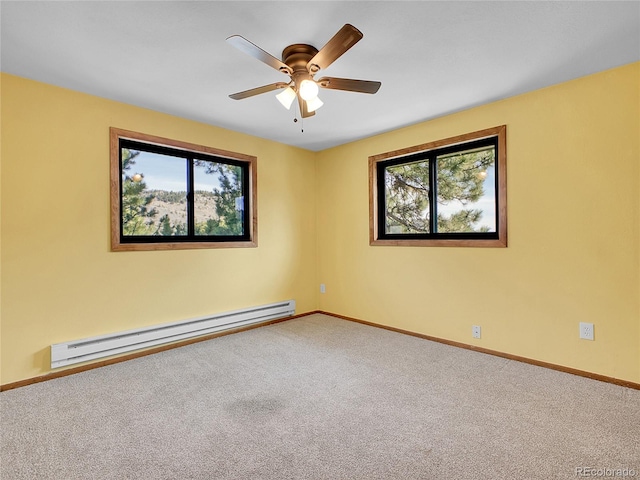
446	193
172	195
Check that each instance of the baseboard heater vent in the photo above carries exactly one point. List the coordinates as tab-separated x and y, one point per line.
106	345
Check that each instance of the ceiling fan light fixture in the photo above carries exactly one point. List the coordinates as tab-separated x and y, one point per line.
314	104
308	89
301	62
286	97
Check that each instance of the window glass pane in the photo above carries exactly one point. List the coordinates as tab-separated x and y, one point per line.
466	191
154	194
219	203
407	198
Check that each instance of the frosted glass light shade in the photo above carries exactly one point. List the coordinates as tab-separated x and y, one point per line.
286	97
308	89
314	104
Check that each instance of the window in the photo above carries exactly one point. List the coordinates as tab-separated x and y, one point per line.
446	193
167	194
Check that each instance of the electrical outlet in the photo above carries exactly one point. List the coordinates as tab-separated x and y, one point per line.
323	289
586	330
475	331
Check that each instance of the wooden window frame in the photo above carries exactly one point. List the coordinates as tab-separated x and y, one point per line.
117	245
500	133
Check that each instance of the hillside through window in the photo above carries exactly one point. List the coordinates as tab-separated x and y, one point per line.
170	194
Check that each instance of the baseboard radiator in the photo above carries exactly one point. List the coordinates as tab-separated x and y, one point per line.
68	353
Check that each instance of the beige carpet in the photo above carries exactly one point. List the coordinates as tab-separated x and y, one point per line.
319	398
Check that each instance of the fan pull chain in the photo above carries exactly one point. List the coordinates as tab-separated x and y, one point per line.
295	118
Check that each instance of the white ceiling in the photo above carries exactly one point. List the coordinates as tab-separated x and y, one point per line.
433	58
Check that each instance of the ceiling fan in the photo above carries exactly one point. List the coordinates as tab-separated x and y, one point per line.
301	62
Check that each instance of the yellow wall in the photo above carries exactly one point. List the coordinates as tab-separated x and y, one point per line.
59	279
573	255
573	216
1	78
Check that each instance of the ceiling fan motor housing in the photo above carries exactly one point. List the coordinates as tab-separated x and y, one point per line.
297	57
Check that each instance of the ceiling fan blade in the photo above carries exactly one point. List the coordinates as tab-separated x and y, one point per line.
349	85
258	90
303	108
342	41
249	48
